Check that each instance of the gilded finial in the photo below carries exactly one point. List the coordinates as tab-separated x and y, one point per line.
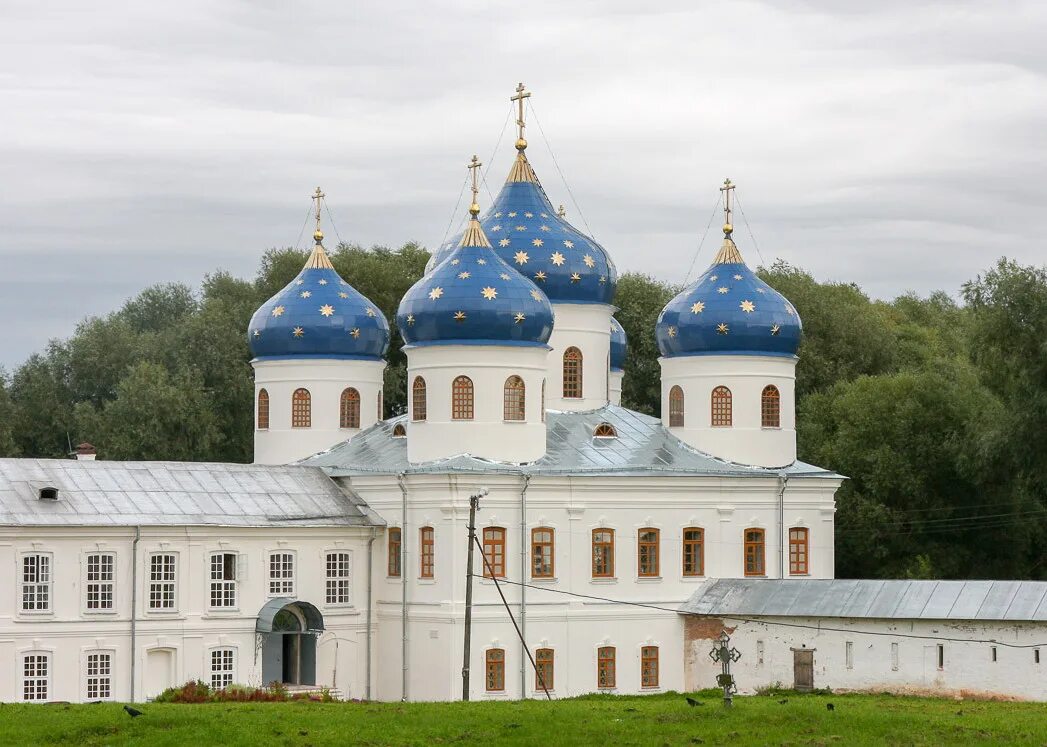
474	168
318	195
521	94
728	229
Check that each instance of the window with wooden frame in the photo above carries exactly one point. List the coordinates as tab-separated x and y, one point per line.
223	580
754	553
399	431
426	552
301	409
649	666
36	677
676	407
162	568
100	581
647	551
494	680
263	410
771	407
542	546
514	405
693	551
605	668
337	587
544	669
393	562
418	404
721	407
494	551
281	574
99	675
603	553
349	412
36	582
462	398
572	373
223	665
798	551
605	430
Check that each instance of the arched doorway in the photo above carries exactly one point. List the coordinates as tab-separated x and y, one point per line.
288	629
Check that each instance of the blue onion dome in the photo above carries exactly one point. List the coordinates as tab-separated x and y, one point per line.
537	241
474	297
619	346
318	315
728	310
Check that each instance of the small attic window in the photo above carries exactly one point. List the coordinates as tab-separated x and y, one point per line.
399	431
48	493
605	430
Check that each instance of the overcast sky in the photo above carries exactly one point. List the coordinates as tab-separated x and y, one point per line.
899	145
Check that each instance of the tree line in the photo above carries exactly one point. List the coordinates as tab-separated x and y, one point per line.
935	410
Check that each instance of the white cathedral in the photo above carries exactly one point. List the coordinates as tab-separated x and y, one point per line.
338	559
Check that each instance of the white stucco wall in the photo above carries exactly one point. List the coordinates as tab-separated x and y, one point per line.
615	384
588	328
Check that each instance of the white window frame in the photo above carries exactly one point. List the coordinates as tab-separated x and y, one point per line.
37	593
221	667
102	588
338	578
31	683
221	587
102	677
281	582
160	585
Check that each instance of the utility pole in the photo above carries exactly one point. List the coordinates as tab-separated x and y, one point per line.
474	503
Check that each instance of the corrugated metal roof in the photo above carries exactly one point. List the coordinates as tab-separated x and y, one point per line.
897	600
643	446
183	493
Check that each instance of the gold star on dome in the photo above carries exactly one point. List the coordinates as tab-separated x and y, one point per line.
536	295
459	316
370	312
355	332
297	331
463	275
497	215
342	282
528	215
697	307
455	261
712	278
521	228
512	215
257	333
540	276
519	318
503	242
410	320
722	289
481	261
722	328
775	330
575	277
603	278
542	215
737	277
747	306
521	258
556	258
327	309
495	228
537	242
672	331
435	293
299	282
321	281
789	310
306	294
760	290
343	294
543	228
489	293
568	243
589	261
503	276
278	310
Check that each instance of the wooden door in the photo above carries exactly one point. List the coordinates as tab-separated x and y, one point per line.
803	669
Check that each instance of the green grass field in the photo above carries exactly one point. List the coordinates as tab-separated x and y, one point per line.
594	720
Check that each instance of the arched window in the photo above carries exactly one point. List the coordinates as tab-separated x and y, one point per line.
427	540
572	373
603	553
543	669
798	551
393	559
771	407
605	674
605	430
676	407
647	552
514	404
649	666
418	399
495	666
754	553
349	415
542	539
721	406
263	409
462	398
301	409
494	552
399	431
693	551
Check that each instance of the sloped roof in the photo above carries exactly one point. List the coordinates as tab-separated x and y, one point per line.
174	493
880	599
643	446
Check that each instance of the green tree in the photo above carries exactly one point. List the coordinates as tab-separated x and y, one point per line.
8	447
640	298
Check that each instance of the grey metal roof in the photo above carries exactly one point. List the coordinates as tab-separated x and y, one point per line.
643	446
185	493
896	600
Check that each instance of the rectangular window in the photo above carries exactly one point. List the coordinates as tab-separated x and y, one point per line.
99	587
647	552
281	574
222	662
754	552
427	552
494	551
162	582
693	551
36	583
605	669
992	651
99	676
394	552
848	654
223	580
1036	656
798	551
35	676
542	539
495	666
649	666
894	657
759	653
337	591
544	669
941	656
603	553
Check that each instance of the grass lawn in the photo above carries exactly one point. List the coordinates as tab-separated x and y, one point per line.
593	720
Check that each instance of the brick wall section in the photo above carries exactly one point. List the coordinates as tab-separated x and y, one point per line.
698	635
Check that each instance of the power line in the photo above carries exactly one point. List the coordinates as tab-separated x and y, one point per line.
698	251
331	218
549	147
308	214
747	228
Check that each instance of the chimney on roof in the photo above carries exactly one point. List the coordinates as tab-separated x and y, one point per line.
85	452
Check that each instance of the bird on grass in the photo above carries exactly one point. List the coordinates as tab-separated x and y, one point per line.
692	702
830	707
133	712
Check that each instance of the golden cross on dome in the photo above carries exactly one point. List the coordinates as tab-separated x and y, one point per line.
318	196
726	189
521	94
474	169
